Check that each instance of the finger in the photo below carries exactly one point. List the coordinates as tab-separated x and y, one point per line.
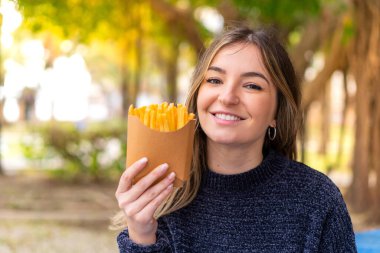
149	210
126	178
149	195
144	183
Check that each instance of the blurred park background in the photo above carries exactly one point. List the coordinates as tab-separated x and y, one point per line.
69	69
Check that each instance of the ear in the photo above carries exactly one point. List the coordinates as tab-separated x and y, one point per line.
273	123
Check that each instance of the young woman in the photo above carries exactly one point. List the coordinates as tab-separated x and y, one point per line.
246	192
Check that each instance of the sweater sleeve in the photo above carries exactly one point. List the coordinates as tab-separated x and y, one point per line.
162	245
337	234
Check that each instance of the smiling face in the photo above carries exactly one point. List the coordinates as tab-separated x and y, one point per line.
237	101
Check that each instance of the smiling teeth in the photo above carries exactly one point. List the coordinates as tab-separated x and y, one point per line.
226	117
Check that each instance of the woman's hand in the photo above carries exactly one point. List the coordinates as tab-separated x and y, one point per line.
141	200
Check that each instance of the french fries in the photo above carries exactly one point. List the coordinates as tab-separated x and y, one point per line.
162	117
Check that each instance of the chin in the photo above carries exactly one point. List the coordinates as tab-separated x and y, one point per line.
223	140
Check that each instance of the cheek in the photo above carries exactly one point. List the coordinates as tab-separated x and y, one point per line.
269	106
203	99
273	108
264	108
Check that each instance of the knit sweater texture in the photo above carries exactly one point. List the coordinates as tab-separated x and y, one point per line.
279	206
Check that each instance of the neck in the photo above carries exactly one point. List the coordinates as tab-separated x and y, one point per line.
230	159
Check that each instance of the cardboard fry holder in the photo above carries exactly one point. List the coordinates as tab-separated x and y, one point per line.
174	148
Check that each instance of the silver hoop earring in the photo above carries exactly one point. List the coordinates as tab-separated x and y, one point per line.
270	135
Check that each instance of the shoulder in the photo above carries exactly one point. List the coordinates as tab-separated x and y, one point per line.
310	183
301	171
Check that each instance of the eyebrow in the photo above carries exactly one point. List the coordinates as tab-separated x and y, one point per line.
247	74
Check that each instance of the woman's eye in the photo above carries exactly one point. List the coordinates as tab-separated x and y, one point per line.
213	81
253	86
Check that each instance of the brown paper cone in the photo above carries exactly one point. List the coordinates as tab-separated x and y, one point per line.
174	148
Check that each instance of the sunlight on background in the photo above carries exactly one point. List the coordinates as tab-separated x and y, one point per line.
210	18
11	21
62	91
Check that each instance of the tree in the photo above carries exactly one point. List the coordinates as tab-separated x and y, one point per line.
148	22
1	100
365	65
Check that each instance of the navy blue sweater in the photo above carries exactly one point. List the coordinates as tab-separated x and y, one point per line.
279	206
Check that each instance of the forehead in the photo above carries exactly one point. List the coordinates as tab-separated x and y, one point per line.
241	54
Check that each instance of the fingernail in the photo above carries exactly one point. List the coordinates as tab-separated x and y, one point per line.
143	160
171	176
164	167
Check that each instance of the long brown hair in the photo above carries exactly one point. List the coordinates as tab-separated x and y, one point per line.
288	117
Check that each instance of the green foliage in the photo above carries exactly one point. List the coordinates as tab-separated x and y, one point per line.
89	152
349	30
32	147
285	13
70	18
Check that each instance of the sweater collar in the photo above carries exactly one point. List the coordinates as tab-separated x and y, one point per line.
272	163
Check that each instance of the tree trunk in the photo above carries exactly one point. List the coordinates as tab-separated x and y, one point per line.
1	99
311	91
228	10
139	54
342	128
131	80
1	136
360	189
126	100
335	59
375	61
304	134
126	88
375	154
315	33
326	113
180	22
171	74
365	65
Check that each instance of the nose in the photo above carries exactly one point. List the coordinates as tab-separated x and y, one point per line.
228	96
